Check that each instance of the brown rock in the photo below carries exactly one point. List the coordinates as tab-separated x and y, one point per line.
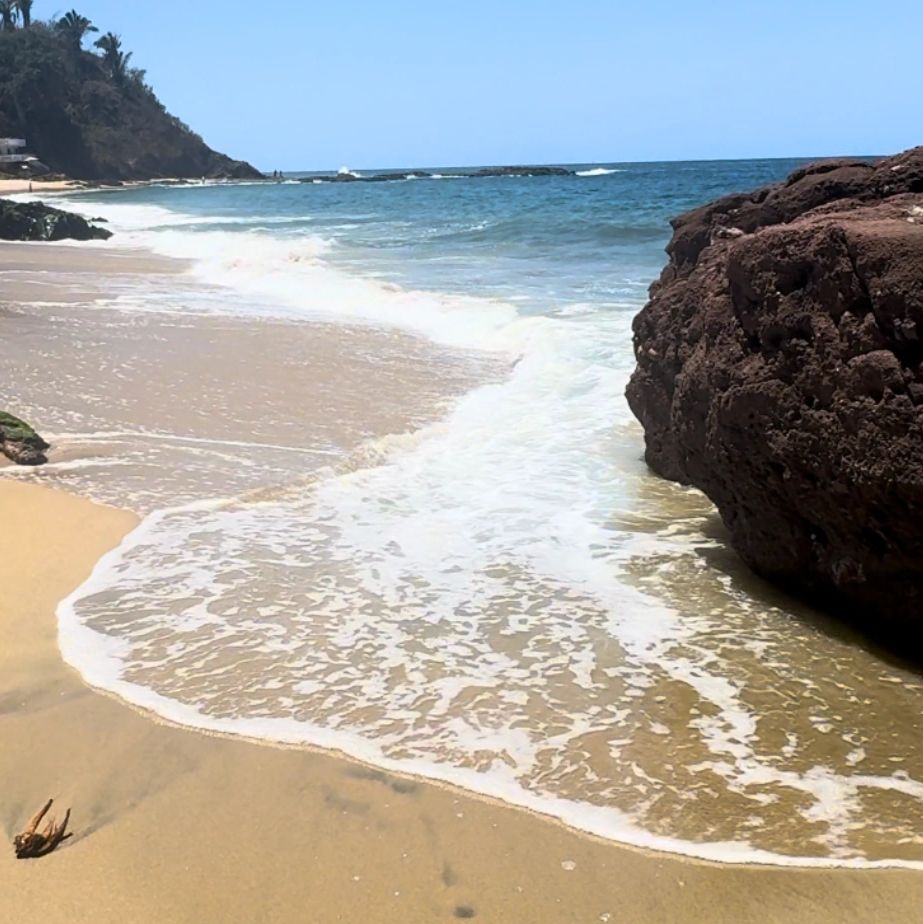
780	370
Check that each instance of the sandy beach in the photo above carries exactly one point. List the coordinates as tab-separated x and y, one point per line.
8	187
172	825
175	826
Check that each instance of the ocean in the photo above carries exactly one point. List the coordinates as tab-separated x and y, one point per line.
498	595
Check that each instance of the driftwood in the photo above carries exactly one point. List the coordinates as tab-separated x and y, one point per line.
32	843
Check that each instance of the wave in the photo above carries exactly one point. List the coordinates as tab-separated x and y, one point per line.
293	280
599	171
101	661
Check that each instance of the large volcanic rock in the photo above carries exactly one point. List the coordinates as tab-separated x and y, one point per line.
780	370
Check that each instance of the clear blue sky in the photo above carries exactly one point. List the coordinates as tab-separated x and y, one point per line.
299	84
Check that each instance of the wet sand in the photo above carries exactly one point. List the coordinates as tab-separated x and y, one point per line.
175	826
69	273
184	405
80	258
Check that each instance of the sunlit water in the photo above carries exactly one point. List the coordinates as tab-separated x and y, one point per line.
503	597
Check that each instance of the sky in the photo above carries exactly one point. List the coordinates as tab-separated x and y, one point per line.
297	85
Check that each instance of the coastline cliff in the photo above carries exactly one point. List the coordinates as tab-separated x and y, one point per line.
780	370
92	117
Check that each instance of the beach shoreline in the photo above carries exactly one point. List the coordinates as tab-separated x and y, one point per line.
10	187
174	825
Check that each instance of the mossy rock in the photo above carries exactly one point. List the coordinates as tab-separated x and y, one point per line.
20	443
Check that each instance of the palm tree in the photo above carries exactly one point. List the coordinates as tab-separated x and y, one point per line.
115	59
8	13
25	12
74	27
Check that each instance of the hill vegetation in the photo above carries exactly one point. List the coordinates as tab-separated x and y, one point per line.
88	113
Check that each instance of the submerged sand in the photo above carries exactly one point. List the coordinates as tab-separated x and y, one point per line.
173	825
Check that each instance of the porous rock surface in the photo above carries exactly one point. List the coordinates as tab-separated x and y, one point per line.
780	370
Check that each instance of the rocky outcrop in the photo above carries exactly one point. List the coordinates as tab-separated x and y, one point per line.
222	167
780	370
522	171
346	176
34	221
20	443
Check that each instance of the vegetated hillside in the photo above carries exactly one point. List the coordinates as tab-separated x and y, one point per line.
89	115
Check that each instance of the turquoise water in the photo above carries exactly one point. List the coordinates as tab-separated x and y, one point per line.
506	600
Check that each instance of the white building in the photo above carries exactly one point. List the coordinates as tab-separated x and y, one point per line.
13	151
15	160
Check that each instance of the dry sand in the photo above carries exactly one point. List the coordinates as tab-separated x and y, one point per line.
10	186
21	186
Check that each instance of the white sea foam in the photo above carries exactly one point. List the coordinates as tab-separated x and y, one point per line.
102	658
490	602
599	171
174	438
291	280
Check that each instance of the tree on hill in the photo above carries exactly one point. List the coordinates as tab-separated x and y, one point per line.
90	115
73	27
25	12
115	60
9	11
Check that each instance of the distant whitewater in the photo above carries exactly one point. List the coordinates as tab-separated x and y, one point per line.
506	599
598	171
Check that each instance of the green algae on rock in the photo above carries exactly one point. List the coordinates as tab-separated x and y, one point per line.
20	443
